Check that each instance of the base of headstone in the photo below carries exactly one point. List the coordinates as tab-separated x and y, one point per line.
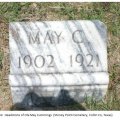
35	92
40	97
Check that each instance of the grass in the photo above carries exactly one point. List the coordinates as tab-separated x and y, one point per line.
1	59
109	13
113	103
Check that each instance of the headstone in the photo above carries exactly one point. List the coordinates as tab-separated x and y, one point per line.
57	62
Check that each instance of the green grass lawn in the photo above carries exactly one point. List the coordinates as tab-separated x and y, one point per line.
109	13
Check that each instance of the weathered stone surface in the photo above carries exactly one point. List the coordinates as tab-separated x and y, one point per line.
91	41
100	78
53	56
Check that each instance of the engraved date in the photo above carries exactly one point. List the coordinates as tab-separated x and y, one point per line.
49	61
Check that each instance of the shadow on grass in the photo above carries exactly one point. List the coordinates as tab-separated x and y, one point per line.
34	102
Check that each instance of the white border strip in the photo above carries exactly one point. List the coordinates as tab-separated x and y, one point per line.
60	115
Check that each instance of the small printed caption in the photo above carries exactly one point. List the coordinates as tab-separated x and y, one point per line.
56	115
